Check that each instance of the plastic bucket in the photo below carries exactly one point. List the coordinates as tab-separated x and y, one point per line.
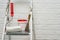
22	23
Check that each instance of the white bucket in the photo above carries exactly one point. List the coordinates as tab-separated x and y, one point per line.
22	23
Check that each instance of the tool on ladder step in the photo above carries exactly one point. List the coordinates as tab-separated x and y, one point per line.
22	23
27	26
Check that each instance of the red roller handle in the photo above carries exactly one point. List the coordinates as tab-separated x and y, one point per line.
11	9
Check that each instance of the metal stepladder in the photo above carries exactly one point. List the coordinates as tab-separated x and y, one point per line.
7	22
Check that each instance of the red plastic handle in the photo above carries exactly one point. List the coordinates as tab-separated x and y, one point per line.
12	9
22	20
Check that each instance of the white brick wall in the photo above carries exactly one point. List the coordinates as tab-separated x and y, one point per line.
47	19
46	15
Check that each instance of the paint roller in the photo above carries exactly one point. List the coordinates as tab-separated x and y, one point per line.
13	28
11	7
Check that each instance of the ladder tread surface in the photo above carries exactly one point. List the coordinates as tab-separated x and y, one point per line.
17	33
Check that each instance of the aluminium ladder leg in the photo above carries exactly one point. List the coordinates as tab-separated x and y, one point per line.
6	15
